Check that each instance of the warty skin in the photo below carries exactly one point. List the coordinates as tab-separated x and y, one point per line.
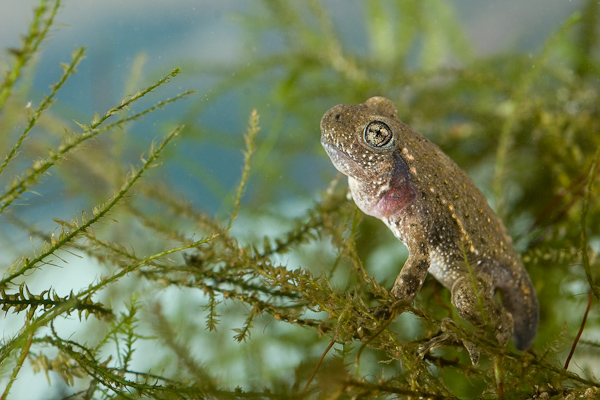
435	209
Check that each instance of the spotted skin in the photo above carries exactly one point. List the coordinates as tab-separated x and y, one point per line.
434	208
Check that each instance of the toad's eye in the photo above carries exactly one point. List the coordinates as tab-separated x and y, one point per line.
378	134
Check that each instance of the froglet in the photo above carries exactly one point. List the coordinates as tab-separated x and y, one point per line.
435	209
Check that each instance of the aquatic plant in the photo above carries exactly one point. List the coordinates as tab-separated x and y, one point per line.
270	300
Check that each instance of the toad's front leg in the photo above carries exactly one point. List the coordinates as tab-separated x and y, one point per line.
413	273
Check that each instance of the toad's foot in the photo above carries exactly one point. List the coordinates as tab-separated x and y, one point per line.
448	337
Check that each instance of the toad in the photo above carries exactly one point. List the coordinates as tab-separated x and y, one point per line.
432	206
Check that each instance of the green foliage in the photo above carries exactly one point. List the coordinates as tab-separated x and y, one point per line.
250	308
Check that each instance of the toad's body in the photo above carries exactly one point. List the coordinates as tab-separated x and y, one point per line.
430	204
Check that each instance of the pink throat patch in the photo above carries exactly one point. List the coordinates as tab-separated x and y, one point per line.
400	195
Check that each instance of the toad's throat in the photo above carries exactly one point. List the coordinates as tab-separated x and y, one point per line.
382	200
400	195
379	198
388	202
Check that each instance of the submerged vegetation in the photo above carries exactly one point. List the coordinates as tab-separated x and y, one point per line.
269	300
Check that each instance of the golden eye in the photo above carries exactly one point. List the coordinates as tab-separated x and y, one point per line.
378	134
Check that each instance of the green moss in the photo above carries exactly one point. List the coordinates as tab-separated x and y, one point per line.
186	304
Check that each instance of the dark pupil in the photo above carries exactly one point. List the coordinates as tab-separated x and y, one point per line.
378	134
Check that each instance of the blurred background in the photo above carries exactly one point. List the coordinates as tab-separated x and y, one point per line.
291	61
211	42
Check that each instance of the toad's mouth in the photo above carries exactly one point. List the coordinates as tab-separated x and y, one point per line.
343	162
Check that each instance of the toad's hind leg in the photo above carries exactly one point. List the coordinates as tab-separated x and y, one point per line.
473	298
518	296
